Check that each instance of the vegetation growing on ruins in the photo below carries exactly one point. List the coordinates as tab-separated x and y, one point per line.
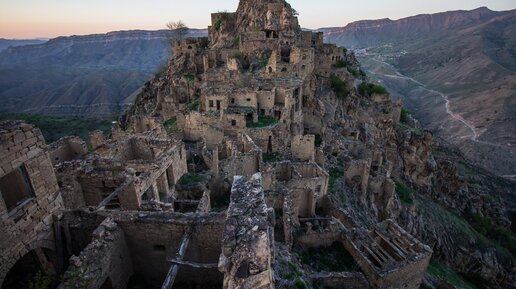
339	86
171	126
190	179
271	157
263	121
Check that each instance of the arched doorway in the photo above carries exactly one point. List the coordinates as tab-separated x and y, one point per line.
36	269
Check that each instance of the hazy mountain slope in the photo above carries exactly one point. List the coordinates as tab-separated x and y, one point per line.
4	43
466	58
81	75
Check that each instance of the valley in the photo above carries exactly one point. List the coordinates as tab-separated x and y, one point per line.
454	70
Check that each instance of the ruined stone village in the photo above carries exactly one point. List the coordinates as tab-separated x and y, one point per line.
224	174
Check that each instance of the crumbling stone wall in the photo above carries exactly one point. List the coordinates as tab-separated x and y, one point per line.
25	219
67	149
247	240
106	260
303	147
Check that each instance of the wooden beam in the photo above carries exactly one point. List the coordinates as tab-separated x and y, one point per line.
185	240
111	196
194	264
172	272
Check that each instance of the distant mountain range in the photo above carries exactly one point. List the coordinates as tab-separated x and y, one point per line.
93	75
455	70
4	43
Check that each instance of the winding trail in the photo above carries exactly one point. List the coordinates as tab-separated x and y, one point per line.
474	133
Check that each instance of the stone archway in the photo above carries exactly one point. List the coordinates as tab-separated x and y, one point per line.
37	266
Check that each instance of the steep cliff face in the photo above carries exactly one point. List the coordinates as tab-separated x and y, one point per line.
258	74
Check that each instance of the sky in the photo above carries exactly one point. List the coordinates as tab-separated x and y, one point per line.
51	18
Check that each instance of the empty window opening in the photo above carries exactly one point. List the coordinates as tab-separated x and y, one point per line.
270	69
249	118
16	188
210	103
284	69
248	100
233	122
159	248
218	104
232	100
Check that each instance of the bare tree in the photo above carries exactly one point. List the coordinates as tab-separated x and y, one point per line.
179	28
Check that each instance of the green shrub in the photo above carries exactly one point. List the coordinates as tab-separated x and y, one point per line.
339	86
353	71
405	113
271	157
171	125
190	179
189	77
365	88
341	63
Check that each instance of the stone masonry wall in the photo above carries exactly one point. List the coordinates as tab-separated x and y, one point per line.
29	224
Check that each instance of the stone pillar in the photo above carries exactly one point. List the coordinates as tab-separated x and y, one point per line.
154	192
129	198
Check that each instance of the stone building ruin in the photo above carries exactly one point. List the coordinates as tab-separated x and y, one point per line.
210	177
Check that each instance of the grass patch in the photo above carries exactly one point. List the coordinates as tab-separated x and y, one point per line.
365	88
190	179
54	128
263	121
404	193
443	272
339	86
271	157
171	126
334	258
